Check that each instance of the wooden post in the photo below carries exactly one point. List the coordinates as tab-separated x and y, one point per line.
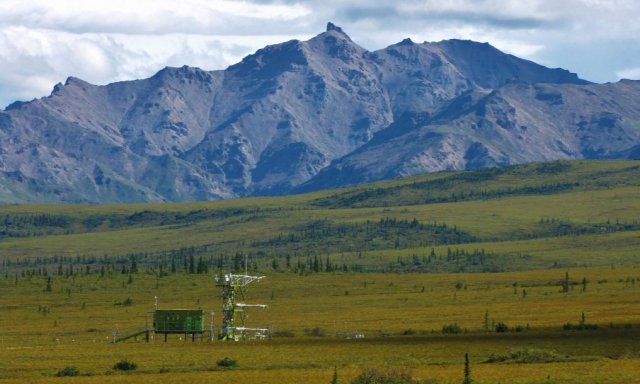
146	327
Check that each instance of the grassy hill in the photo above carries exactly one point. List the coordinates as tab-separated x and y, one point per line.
558	214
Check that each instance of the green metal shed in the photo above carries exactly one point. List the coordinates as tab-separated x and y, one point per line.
178	321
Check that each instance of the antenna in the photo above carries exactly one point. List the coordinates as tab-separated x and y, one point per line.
233	312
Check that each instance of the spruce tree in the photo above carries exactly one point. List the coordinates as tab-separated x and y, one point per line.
565	284
467	370
192	265
486	320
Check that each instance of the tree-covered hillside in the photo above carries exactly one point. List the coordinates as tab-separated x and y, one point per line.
541	215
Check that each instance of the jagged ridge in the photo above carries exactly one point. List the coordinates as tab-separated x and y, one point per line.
306	115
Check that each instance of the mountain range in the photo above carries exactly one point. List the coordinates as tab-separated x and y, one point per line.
308	115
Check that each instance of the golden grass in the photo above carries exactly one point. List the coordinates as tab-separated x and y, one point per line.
401	315
77	330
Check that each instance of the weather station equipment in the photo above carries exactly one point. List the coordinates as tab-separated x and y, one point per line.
234	312
170	321
192	321
178	321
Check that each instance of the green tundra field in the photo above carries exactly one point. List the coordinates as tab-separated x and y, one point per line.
533	271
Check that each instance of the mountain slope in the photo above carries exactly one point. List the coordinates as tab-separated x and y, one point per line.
305	115
515	124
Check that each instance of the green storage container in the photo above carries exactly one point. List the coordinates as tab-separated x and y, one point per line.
178	321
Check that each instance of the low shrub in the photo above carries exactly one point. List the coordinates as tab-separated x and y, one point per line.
226	363
68	371
317	332
534	356
126	303
125	365
386	376
284	333
452	328
502	327
580	327
620	326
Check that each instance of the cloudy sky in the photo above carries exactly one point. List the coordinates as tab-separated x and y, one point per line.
43	42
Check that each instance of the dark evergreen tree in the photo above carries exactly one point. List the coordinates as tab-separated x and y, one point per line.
134	265
467	370
192	265
486	323
237	262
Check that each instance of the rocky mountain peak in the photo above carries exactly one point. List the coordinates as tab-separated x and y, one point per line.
70	85
335	43
334	34
57	88
489	67
333	27
317	113
71	81
271	60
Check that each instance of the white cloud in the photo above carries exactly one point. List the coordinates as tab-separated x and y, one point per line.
146	16
32	61
42	42
629	73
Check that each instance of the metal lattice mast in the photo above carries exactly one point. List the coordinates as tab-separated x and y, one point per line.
233	312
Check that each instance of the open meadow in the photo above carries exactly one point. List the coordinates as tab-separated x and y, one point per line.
534	271
315	318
